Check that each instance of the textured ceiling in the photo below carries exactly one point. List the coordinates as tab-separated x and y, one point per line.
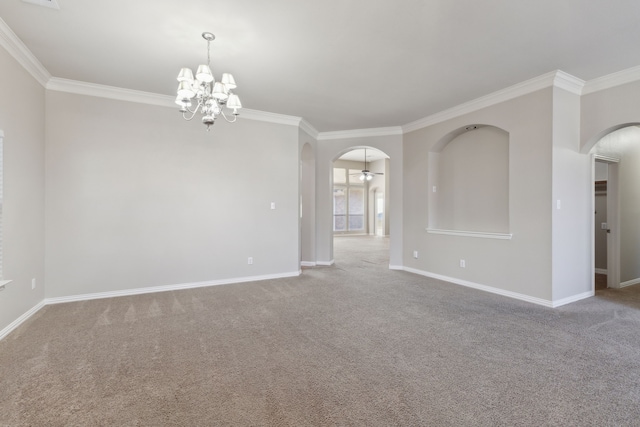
340	64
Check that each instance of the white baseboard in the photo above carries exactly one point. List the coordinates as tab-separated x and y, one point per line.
307	264
630	283
574	298
396	267
498	291
138	291
325	262
20	320
600	271
165	288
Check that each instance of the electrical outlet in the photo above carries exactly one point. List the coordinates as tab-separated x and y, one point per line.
273	205
463	264
415	254
250	260
33	283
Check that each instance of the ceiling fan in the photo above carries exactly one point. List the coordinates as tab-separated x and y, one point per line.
366	174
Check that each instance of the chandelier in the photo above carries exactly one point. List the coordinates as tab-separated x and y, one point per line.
209	95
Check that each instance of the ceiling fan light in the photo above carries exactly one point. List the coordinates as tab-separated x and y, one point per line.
362	177
228	81
204	74
185	75
369	177
185	91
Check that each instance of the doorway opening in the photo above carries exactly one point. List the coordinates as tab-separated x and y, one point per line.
360	195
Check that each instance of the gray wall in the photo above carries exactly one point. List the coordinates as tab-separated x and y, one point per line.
22	120
137	197
573	188
521	265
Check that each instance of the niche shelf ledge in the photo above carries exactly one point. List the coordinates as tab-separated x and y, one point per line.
480	234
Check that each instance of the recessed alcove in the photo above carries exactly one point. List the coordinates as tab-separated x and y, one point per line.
469	183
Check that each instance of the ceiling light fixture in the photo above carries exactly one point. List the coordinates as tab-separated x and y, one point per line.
366	173
211	96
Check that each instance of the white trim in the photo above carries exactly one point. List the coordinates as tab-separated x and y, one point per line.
307	263
20	320
396	267
491	289
630	283
265	116
309	129
559	78
608	159
569	300
481	234
325	263
110	92
568	82
165	288
138	291
4	282
600	271
53	4
629	75
130	95
498	291
360	133
21	53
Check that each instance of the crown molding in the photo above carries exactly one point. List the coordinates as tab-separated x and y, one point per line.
265	116
360	133
612	80
22	54
110	92
566	81
309	129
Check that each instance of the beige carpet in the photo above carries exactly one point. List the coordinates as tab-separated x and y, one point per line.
354	344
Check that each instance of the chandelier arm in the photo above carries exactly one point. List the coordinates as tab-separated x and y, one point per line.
235	117
193	113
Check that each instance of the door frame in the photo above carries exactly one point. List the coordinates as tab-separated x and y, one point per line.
613	219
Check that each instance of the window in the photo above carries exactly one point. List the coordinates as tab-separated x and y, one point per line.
348	201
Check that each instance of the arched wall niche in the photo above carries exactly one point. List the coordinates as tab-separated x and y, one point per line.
469	181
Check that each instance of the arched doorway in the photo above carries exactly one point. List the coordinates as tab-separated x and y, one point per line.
360	201
617	153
